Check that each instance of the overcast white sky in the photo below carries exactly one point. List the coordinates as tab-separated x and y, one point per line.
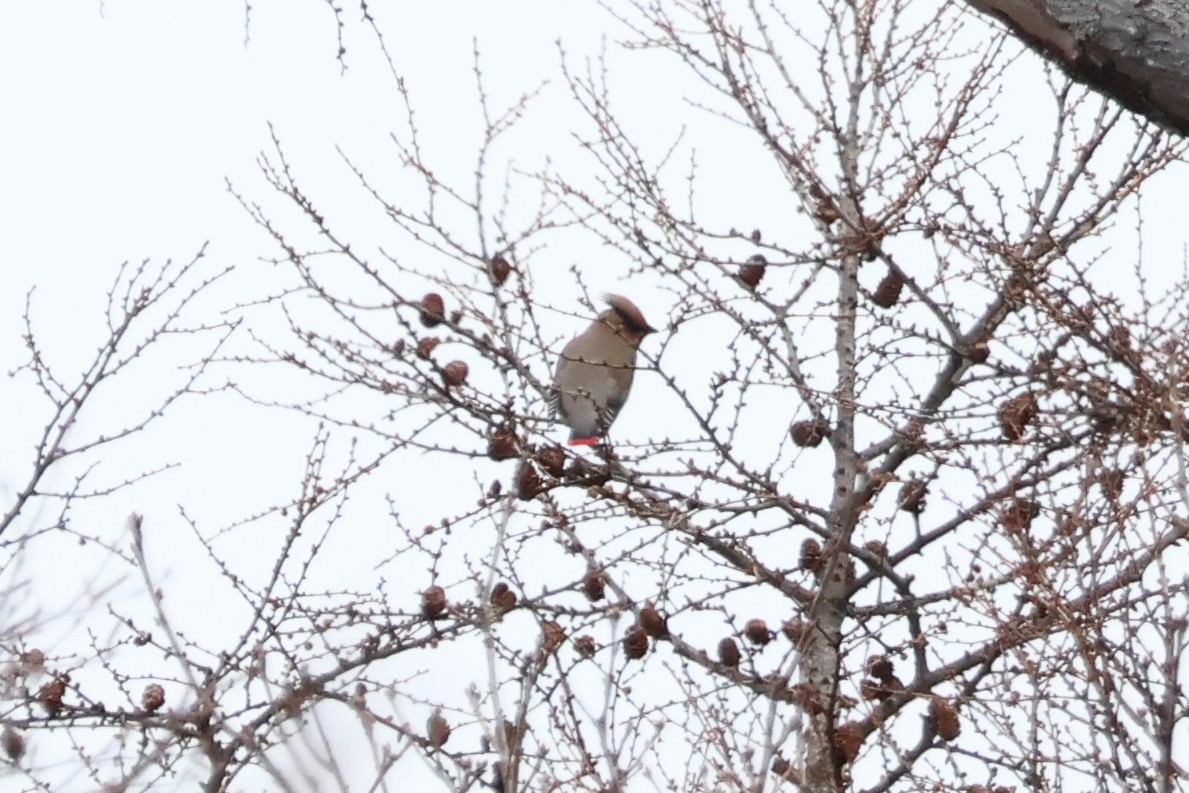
120	123
125	119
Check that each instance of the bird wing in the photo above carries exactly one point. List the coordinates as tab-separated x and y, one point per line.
554	403
553	398
596	367
611	410
580	407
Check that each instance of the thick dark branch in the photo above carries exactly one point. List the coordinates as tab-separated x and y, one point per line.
1135	53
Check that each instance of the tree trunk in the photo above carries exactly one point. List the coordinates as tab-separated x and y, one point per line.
1135	51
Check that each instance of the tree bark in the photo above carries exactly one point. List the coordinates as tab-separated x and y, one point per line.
1135	51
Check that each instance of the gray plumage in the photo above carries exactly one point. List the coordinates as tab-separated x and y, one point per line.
594	375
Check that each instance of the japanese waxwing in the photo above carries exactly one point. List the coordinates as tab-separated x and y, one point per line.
594	374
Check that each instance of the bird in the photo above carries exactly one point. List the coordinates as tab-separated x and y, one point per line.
594	374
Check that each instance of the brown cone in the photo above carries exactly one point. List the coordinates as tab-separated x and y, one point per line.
635	643
454	374
594	586
753	272
503	598
433	310
500	269
437	731
653	623
728	653
433	603
757	632
501	443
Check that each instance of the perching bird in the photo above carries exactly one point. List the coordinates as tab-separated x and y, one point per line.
594	374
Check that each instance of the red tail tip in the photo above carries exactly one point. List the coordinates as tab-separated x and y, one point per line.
584	441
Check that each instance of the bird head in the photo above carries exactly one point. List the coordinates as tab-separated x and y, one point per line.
625	319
